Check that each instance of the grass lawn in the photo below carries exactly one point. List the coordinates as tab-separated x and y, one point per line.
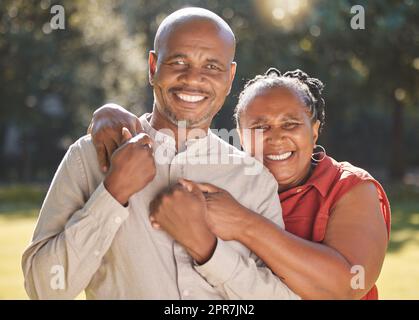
399	278
15	233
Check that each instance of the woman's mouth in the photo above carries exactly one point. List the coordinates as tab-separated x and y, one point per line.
280	156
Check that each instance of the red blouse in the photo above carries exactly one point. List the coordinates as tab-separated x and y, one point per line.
306	208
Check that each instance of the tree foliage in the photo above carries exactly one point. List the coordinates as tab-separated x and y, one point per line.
371	75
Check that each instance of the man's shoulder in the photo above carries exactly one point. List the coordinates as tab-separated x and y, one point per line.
231	151
240	163
83	151
83	145
224	147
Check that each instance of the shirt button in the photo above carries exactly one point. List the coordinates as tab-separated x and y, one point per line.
299	190
186	293
118	220
96	253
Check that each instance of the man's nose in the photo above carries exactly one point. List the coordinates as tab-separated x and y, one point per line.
192	75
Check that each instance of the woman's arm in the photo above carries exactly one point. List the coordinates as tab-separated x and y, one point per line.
356	235
106	130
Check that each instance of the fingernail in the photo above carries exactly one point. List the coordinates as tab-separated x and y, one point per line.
104	168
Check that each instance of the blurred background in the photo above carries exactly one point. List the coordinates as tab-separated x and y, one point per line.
52	80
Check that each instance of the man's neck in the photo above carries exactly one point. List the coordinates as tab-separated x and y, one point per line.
181	134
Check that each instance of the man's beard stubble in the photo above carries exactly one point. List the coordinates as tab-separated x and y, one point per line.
187	123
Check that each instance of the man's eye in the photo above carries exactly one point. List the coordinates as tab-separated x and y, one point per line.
212	67
178	63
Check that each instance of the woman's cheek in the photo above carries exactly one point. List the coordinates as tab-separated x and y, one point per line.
254	142
306	143
258	145
248	144
251	141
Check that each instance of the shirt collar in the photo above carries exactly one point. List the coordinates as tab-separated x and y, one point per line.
200	146
323	174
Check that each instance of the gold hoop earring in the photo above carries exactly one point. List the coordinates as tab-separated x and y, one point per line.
324	153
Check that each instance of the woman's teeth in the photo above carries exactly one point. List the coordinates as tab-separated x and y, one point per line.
188	98
279	157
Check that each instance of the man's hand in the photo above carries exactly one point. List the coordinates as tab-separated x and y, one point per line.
106	127
225	216
132	166
180	211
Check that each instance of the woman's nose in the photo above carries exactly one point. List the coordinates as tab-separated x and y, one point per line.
275	136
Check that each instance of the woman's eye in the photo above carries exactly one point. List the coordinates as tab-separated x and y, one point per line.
290	125
261	127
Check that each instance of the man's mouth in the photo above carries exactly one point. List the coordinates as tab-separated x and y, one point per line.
280	156
190	98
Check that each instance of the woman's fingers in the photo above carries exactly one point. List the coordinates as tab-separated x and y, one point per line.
102	157
187	184
208	188
126	135
143	139
138	127
203	187
89	128
110	146
192	188
154	223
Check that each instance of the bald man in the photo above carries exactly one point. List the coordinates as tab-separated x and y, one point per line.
99	233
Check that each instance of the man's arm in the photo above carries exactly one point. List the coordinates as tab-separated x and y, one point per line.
241	277
183	214
72	233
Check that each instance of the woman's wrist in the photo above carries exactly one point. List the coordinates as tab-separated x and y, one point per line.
246	226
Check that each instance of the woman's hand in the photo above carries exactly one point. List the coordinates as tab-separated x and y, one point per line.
106	130
225	217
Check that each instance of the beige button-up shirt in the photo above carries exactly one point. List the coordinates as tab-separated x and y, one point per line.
85	240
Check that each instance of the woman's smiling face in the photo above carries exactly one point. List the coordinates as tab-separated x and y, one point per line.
289	134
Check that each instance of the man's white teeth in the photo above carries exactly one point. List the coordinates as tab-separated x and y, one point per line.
188	98
277	157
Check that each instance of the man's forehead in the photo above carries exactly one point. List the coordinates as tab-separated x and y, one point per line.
201	32
197	43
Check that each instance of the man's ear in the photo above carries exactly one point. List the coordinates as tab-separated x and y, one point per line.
152	66
232	75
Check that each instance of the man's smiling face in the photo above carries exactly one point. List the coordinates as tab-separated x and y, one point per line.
192	71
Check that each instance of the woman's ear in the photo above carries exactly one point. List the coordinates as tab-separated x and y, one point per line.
316	127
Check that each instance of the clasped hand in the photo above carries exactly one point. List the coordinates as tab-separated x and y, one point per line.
194	214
